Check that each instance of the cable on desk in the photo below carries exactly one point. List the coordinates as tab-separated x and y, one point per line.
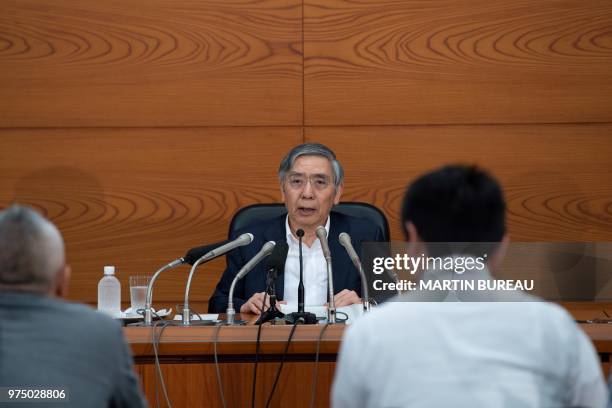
257	344
159	373
263	305
316	366
280	367
218	371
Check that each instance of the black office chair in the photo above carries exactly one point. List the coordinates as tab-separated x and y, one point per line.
260	212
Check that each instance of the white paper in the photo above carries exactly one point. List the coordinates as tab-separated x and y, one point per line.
213	317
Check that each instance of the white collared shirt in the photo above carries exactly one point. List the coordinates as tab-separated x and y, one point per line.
315	270
467	354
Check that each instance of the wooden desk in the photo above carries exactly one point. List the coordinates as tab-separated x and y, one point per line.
187	362
186	356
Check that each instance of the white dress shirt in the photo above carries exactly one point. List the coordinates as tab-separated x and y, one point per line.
314	273
474	354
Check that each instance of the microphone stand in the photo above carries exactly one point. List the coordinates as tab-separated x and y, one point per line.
148	315
272	313
301	316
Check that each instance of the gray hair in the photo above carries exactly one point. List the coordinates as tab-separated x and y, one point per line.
31	250
311	149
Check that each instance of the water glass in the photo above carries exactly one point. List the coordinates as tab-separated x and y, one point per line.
138	291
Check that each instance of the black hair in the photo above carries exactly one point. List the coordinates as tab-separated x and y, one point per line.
456	203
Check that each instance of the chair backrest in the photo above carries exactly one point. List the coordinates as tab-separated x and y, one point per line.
260	212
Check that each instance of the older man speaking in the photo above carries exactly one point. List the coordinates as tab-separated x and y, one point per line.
311	183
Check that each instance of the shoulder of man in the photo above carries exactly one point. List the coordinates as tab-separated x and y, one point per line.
90	322
264	230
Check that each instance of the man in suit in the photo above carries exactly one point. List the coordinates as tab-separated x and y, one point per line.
311	183
493	350
47	343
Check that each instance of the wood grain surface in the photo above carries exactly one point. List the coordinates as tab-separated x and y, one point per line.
195	385
108	112
139	198
556	178
150	63
390	62
191	382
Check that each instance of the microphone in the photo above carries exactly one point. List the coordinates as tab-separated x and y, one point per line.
301	316
148	311
322	235
331	308
276	261
196	253
265	250
275	266
190	257
300	309
345	241
242	240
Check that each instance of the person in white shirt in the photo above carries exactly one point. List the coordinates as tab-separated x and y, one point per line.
517	352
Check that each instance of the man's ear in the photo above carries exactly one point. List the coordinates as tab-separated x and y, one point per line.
415	243
61	283
498	255
413	234
339	192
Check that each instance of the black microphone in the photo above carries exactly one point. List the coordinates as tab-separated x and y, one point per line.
300	309
196	253
301	316
275	266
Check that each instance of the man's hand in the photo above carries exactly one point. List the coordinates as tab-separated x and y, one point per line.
255	304
346	297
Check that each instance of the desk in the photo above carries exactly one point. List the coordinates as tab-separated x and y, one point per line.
187	361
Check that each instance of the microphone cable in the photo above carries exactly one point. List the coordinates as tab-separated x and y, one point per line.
257	345
280	367
316	366
342	320
158	370
217	370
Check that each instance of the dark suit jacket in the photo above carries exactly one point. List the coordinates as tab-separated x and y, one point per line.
345	274
51	344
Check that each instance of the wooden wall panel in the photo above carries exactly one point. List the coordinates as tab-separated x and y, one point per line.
556	177
67	63
138	198
389	62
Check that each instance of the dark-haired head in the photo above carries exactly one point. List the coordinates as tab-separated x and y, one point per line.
455	203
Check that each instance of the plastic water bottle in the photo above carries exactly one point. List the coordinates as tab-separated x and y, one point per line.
109	293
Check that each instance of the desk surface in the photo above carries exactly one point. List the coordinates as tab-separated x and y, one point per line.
187	356
179	340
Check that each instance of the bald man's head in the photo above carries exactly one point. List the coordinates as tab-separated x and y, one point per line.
31	251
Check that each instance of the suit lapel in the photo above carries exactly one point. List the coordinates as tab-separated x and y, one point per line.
337	225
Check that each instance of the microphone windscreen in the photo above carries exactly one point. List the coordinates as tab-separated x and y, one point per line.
196	253
278	257
321	233
345	239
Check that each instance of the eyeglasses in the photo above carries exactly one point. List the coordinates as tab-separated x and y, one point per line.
318	182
